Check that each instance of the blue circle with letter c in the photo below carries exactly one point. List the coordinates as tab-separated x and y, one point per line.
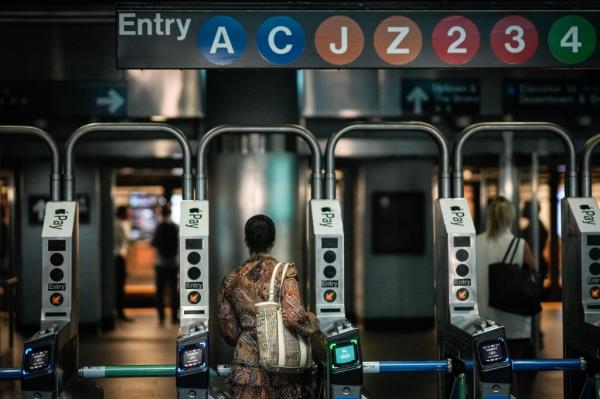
280	40
222	39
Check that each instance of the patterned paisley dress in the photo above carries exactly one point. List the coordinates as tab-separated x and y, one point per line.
240	290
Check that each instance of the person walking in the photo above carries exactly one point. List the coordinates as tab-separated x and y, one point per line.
492	245
166	242
240	290
121	236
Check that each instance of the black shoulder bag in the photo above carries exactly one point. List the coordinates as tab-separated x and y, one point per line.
514	288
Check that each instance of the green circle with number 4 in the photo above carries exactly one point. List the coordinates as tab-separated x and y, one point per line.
572	39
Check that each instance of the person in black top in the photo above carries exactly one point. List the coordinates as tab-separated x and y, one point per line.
166	242
528	235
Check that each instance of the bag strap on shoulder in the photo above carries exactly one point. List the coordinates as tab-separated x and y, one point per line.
283	274
508	250
515	249
272	285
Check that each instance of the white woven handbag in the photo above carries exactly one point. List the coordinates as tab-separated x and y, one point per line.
280	350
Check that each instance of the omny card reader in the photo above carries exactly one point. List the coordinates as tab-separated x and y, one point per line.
494	368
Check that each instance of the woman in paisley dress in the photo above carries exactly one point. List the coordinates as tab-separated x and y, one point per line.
240	290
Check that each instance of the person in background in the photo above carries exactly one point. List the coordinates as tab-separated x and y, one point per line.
240	290
166	242
121	236
492	245
527	234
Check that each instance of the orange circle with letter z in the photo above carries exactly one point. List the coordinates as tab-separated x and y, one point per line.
339	40
398	40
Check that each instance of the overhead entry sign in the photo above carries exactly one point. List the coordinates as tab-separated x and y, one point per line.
164	38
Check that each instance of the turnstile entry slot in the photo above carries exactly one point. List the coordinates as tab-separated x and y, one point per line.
195	238
327	238
193	227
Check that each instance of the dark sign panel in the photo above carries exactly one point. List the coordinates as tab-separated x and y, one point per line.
63	98
162	38
544	96
442	96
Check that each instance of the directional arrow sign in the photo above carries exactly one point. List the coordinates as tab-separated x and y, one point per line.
417	97
113	101
63	98
441	96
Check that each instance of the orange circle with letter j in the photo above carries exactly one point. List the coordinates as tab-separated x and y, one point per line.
339	40
398	40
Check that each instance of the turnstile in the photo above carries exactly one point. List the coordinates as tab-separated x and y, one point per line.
461	331
49	363
581	280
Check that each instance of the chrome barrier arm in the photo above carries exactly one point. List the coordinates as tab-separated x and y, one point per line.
567	141
307	136
435	133
586	176
55	178
141	127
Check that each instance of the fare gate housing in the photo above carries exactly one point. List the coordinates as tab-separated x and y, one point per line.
341	358
192	343
50	356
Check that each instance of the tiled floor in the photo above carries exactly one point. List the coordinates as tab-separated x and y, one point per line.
145	342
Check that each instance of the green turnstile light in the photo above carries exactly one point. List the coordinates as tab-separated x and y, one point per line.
344	353
597	386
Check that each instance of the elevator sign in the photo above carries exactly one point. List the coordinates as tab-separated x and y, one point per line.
163	38
440	96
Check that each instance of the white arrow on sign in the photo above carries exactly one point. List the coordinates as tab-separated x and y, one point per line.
417	96
113	101
39	208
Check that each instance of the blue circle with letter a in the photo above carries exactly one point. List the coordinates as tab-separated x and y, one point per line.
222	39
280	40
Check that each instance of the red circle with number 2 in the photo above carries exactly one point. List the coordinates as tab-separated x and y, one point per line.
455	40
514	39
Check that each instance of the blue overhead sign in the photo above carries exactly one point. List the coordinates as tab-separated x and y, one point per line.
246	38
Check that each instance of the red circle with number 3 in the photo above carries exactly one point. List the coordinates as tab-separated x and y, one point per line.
456	40
514	39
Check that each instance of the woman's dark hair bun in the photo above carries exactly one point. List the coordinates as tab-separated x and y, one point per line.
260	233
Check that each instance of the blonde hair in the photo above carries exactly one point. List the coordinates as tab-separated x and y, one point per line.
498	216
